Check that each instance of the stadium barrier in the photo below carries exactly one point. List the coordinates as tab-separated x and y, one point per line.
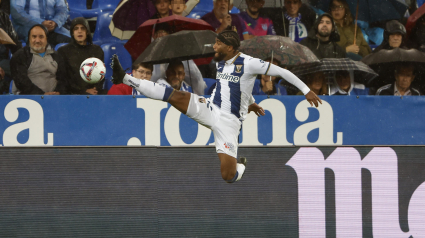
178	192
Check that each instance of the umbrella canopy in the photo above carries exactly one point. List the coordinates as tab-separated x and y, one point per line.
5	38
362	72
183	45
411	21
285	50
143	36
129	15
370	10
385	61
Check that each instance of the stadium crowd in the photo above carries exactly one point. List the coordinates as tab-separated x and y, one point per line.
50	42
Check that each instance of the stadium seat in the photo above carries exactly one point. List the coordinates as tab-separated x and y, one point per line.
102	34
125	59
79	7
59	45
210	85
108	5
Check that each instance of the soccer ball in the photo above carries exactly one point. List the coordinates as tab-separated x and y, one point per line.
92	70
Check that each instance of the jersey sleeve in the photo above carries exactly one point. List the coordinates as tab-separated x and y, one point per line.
257	66
289	77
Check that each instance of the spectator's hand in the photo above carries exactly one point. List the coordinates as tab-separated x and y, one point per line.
2	73
52	93
92	91
227	21
312	98
259	111
268	84
50	25
353	49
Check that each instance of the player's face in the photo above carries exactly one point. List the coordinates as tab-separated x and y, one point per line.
325	27
254	6
175	76
142	73
80	34
38	40
404	77
220	50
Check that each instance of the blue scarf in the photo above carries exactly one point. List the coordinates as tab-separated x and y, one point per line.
297	30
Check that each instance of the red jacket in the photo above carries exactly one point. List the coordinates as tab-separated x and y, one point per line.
120	89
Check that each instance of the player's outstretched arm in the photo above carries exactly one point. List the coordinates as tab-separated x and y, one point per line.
259	111
312	98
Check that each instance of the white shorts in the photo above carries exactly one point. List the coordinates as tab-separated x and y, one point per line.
225	126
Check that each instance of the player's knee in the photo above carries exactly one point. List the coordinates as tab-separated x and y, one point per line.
227	175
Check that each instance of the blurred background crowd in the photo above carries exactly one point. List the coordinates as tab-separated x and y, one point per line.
337	47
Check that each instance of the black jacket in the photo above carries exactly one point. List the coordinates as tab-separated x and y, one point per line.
275	14
389	90
74	54
19	65
324	49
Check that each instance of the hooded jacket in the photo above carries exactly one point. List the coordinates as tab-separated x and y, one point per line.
324	49
392	27
74	54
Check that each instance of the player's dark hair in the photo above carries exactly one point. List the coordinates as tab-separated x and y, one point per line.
135	66
230	37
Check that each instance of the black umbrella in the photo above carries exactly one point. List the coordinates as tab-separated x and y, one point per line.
385	61
362	72
183	45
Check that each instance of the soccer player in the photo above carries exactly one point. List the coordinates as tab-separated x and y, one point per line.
229	103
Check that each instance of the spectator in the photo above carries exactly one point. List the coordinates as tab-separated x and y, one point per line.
255	23
344	85
193	76
162	8
404	76
323	37
345	23
219	18
74	53
393	36
52	14
270	85
317	83
177	7
140	71
174	77
5	75
299	18
37	68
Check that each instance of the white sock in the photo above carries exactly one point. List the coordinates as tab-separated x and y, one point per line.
241	169
148	88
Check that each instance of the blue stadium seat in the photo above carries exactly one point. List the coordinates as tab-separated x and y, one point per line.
196	15
102	34
108	5
79	7
210	85
125	59
59	45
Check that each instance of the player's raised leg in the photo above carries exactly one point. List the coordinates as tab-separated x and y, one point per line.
178	99
231	169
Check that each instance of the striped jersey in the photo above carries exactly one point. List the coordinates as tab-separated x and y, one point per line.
235	81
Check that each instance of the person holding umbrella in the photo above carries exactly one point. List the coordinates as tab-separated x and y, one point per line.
358	48
404	75
230	101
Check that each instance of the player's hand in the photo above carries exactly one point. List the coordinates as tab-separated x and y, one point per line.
259	111
312	98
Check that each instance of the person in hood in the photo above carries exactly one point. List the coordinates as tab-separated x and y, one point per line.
37	68
74	53
323	37
394	36
344	84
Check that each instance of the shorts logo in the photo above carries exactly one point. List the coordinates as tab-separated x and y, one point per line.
202	100
239	68
229	146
